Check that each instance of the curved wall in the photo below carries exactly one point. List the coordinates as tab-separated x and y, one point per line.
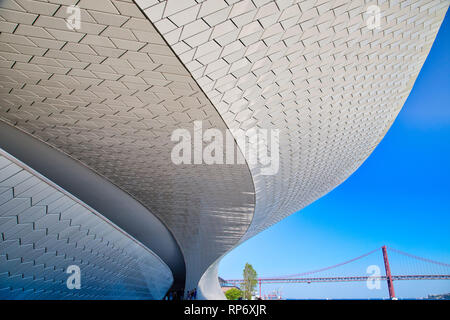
98	193
44	230
111	94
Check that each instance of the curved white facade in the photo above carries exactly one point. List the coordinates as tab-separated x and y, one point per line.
111	93
45	232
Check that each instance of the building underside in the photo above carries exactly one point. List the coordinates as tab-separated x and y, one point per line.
87	116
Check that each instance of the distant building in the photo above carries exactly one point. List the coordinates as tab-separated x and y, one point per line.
275	295
225	286
445	296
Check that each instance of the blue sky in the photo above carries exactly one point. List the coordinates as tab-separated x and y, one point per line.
400	197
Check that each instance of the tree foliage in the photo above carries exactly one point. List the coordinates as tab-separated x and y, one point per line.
249	284
233	294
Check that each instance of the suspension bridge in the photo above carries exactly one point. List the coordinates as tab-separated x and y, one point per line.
411	267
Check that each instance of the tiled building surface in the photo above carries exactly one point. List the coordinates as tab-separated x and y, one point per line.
111	93
312	69
44	231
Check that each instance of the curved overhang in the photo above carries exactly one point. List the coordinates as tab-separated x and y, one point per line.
111	94
54	246
98	193
331	76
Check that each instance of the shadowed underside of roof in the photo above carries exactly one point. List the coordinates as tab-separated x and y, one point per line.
110	94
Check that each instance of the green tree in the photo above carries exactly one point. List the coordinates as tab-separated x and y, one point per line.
250	281
233	294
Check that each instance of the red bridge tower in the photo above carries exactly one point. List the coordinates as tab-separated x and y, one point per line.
390	282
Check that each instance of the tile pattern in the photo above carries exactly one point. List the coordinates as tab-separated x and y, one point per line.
110	95
309	68
43	231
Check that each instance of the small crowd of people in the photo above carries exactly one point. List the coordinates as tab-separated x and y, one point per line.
178	295
192	294
174	295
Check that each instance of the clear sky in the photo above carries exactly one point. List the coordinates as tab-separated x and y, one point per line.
399	197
